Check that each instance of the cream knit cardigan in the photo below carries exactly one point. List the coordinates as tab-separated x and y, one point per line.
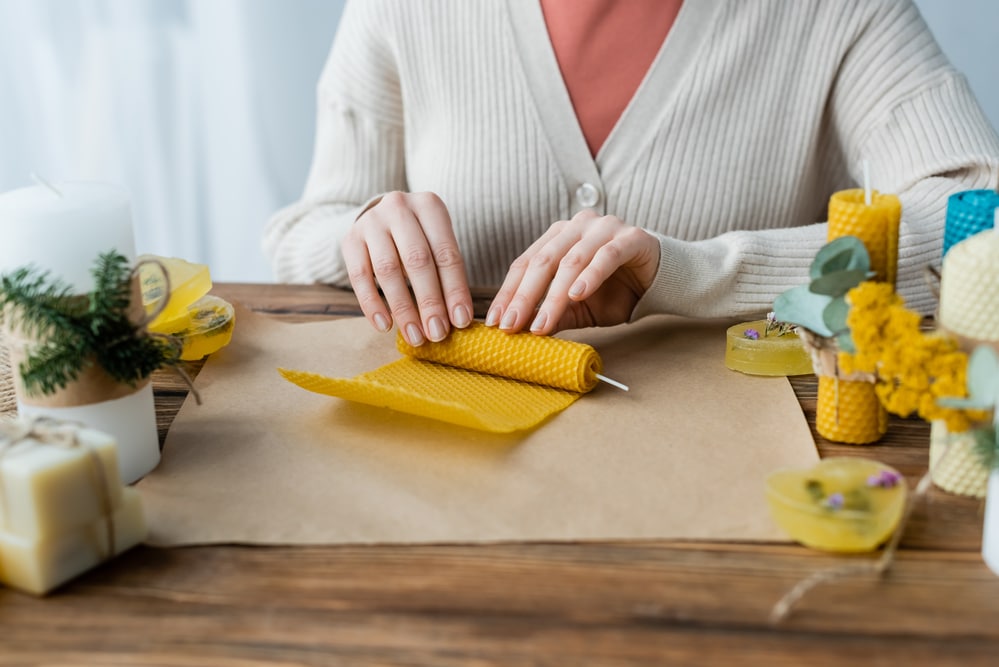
751	115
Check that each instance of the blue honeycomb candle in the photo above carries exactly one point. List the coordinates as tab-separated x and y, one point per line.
968	213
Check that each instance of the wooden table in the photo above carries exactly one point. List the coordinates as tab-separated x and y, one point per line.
608	603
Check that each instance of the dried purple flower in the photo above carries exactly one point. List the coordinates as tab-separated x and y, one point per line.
886	479
751	334
834	501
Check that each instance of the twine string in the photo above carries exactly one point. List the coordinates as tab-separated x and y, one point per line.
24	434
142	327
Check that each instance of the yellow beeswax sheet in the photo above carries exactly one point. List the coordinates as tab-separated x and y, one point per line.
683	455
478	377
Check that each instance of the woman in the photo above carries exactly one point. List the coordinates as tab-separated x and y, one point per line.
685	155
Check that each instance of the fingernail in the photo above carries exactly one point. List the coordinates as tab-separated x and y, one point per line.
461	318
509	319
437	330
539	322
492	317
382	323
577	289
414	336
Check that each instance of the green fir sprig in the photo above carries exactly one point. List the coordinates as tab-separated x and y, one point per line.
71	332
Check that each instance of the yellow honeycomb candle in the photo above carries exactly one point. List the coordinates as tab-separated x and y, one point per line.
876	225
842	504
849	410
761	354
544	360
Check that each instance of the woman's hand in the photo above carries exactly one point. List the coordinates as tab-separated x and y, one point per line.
408	236
593	268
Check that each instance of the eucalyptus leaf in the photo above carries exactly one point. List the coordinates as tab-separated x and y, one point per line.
964	403
983	375
801	306
834	315
838	283
845	342
845	253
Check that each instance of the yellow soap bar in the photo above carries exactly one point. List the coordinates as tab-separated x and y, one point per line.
775	355
842	504
48	489
39	565
206	328
188	282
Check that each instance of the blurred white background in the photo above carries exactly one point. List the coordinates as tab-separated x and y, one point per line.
204	109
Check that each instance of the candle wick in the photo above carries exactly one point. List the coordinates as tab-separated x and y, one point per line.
615	383
41	181
867	183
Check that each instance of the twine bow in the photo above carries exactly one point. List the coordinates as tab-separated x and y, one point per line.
21	435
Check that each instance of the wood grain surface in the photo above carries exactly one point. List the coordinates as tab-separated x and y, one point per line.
606	603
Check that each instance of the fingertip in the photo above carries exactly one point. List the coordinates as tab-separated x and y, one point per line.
381	322
461	316
540	323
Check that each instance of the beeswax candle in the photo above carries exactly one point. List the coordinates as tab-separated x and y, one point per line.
848	410
969	288
536	359
876	225
968	213
479	377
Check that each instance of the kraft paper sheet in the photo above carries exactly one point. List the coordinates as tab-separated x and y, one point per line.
683	455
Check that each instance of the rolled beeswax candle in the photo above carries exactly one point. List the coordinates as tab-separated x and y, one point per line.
522	356
876	225
39	565
849	410
968	213
51	488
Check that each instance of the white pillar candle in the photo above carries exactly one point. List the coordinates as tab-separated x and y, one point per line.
63	229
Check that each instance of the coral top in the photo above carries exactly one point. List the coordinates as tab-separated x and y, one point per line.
604	48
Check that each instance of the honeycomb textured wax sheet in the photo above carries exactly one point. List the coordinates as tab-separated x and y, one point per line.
478	377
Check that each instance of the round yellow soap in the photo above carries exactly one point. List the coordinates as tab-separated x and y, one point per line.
207	328
766	355
843	504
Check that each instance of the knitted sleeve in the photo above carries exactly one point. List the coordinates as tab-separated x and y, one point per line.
896	103
358	152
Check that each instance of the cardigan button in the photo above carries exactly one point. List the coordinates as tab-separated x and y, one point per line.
587	195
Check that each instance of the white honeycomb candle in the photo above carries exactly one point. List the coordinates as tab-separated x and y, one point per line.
969	288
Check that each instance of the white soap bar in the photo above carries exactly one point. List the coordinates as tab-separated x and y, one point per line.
48	489
38	566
